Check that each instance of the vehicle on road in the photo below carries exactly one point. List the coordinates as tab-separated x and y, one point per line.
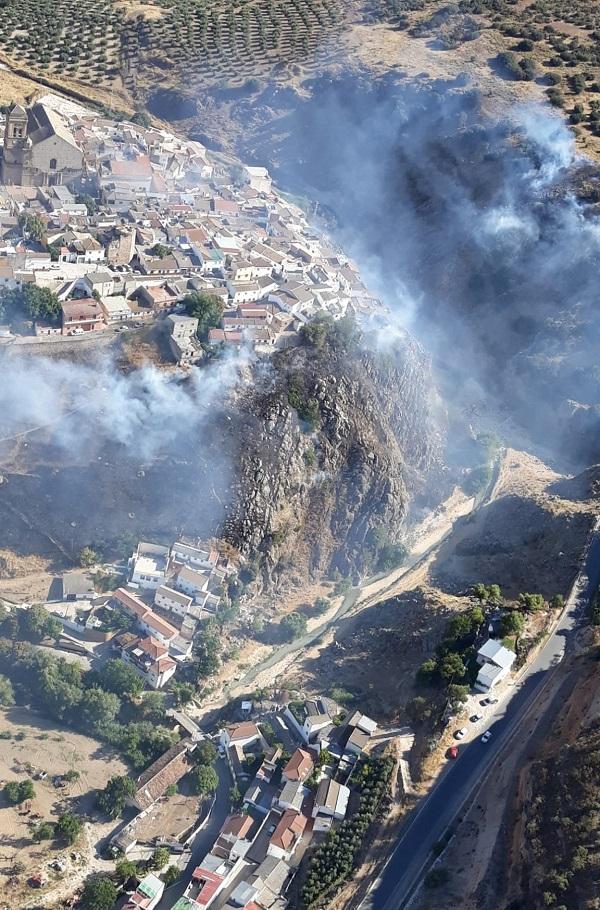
486	736
453	752
460	733
475	717
490	700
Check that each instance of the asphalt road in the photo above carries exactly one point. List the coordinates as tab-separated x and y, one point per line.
438	810
204	839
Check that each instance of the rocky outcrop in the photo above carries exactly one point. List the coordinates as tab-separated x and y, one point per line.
334	447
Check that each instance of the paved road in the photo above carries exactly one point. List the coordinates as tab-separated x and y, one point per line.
204	839
403	870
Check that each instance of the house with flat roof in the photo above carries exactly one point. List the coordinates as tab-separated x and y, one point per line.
115	309
149	565
80	316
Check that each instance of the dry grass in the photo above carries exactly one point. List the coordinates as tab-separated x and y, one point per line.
133	8
44	746
16	88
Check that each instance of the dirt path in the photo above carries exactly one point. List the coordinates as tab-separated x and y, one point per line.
427	536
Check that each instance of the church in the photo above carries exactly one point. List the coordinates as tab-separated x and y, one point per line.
38	149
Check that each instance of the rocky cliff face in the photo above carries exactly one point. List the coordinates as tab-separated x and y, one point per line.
335	445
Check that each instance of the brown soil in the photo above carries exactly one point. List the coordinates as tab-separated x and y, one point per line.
55	750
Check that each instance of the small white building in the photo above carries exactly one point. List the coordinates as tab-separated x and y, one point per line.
115	309
149	565
173	601
331	802
192	582
258	178
242	735
194	556
496	662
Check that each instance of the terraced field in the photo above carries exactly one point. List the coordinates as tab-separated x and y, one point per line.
117	45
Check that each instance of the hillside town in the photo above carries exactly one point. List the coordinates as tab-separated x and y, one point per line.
121	223
291	791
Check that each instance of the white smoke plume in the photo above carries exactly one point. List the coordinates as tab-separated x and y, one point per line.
77	406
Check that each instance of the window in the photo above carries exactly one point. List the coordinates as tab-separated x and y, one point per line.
17	132
53	164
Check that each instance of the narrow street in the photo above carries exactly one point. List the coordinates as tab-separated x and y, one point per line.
205	838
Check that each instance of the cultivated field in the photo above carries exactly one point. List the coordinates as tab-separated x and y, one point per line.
37	745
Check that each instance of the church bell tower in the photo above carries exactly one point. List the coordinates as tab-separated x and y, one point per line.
15	145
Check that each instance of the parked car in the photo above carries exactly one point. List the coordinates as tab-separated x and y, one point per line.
490	700
460	733
486	736
475	717
453	752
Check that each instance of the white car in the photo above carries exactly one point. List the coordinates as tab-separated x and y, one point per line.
490	700
476	717
460	733
486	736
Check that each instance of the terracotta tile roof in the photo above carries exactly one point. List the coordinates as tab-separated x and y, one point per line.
131	603
159	625
168	769
299	766
237	825
152	647
291	826
139	167
210	884
242	731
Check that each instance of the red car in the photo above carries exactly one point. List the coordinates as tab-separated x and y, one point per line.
453	752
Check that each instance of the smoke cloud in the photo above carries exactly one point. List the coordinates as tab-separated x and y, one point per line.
77	406
480	234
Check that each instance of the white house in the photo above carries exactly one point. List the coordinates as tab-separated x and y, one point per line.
242	735
314	721
158	628
149	565
150	659
101	281
496	662
192	582
115	309
331	802
287	835
244	291
173	601
258	178
292	796
194	556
